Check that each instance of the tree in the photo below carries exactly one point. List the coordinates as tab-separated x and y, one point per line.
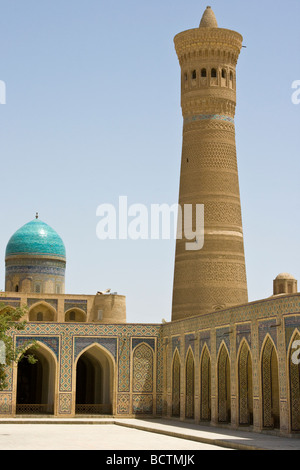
10	320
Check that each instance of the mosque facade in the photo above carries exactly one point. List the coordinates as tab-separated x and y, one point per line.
221	360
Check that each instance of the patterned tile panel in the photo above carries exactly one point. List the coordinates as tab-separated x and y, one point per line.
223	335
204	338
291	324
83	342
211	117
51	341
149	341
76	303
267	327
243	331
52	302
189	341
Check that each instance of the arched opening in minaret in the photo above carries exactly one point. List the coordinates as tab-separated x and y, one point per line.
94	382
194	75
36	383
213	73
203	73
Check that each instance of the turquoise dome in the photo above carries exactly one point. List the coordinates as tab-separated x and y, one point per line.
36	238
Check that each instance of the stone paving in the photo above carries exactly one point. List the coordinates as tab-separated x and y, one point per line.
94	437
130	434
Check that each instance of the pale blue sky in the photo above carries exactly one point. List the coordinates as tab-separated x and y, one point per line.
93	113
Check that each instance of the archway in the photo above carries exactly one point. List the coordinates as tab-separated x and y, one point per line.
94	382
205	385
36	383
270	386
294	382
245	386
189	385
224	386
176	385
75	315
42	311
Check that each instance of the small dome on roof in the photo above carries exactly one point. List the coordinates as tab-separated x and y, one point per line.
208	19
285	276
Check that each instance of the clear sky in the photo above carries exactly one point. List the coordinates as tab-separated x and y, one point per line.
93	113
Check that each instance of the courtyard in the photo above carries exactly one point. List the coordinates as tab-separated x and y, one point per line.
130	434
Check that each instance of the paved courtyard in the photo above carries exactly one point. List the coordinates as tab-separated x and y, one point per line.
36	433
89	437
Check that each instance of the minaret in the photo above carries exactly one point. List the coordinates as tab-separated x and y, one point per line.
214	277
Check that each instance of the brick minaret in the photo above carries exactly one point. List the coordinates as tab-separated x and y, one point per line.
214	277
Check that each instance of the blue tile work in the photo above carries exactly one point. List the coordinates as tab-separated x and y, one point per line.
149	341
291	325
223	335
6	403
243	331
175	344
51	341
124	369
14	302
204	338
142	404
48	270
267	327
81	343
74	303
189	340
123	403
211	117
36	237
52	302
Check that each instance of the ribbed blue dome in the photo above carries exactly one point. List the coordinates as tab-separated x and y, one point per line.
36	238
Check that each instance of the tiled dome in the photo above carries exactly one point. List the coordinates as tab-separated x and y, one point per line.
36	238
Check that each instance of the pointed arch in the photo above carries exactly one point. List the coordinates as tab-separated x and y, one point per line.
42	311
205	384
94	379
270	384
36	383
294	380
224	385
7	309
189	384
75	315
142	374
245	385
176	371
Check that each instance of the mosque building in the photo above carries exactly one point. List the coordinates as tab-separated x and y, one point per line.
221	359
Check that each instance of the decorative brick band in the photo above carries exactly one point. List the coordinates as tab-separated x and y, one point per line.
205	117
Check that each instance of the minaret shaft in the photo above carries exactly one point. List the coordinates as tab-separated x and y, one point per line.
215	276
